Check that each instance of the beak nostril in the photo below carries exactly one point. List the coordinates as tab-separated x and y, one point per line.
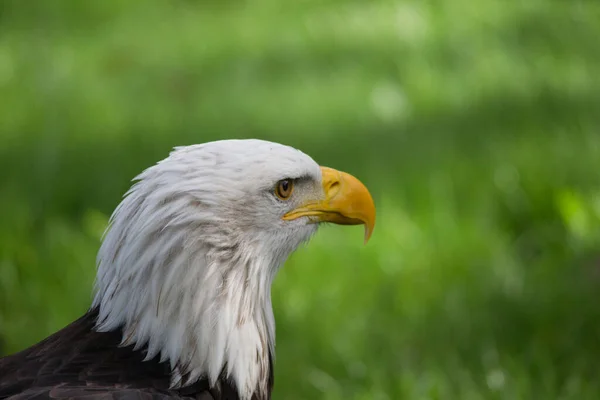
332	188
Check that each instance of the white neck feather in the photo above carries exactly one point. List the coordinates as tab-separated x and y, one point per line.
201	303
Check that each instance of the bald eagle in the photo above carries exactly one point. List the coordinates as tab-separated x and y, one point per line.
182	305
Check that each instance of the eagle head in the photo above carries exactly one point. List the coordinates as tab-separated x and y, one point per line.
186	264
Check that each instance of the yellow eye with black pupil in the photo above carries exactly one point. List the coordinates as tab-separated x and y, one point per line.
284	189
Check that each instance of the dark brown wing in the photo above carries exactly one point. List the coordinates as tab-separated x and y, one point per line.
99	393
79	363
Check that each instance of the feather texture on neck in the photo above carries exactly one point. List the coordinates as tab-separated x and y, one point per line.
205	308
190	289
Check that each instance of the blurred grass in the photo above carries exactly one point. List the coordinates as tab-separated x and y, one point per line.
475	124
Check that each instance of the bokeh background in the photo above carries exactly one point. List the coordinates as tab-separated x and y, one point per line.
474	123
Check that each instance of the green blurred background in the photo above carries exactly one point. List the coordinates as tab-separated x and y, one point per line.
474	123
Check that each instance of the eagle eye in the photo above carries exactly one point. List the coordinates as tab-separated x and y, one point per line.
284	189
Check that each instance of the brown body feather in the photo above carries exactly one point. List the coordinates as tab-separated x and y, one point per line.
80	363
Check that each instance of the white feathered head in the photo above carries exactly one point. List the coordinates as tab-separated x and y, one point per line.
186	265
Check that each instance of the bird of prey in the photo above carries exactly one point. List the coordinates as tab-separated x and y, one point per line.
182	306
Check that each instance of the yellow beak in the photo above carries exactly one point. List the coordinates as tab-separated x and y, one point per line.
347	202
